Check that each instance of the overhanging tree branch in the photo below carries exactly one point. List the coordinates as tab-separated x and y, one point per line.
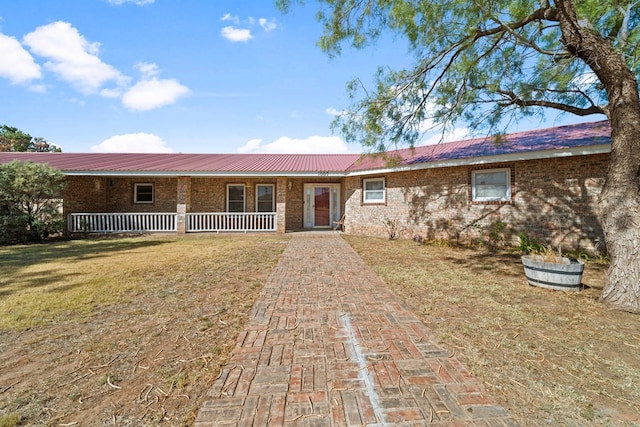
477	67
513	99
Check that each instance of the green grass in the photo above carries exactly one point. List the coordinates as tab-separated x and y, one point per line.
10	420
42	283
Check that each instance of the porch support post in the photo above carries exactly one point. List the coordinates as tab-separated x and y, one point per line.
183	203
281	203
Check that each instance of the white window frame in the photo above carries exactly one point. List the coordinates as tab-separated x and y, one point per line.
273	196
507	193
366	193
244	196
136	194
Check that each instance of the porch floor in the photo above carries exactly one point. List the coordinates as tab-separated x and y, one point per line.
328	344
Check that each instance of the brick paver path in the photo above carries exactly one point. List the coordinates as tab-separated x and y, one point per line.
328	344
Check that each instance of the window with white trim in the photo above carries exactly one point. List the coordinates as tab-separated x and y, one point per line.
235	198
264	198
491	185
373	190
143	193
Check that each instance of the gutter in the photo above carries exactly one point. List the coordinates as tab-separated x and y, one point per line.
206	174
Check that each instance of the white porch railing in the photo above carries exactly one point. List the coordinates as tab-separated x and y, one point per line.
167	222
121	222
225	221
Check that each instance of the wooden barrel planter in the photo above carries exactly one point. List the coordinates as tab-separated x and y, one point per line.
564	275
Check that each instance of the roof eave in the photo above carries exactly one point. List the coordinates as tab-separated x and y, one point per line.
204	174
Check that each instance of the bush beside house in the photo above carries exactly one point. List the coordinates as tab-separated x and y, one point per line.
30	202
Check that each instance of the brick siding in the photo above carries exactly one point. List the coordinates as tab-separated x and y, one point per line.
553	201
100	194
85	194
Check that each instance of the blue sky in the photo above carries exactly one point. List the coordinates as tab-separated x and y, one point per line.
191	76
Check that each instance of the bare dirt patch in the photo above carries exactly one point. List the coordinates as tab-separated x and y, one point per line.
142	349
549	357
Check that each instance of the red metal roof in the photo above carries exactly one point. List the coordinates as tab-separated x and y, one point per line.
199	163
558	138
536	141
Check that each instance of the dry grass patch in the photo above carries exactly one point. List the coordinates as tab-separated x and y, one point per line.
123	331
550	357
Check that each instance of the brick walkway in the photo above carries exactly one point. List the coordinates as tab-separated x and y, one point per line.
328	344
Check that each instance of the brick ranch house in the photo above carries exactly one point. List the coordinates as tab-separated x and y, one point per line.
544	183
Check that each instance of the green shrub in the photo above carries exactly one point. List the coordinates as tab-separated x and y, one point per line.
529	246
30	202
496	234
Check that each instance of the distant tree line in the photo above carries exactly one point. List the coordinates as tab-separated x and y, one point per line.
14	140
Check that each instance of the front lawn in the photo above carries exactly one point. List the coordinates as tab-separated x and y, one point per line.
133	331
123	331
550	357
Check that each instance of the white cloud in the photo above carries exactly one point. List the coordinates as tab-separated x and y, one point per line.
111	93
267	25
231	18
586	79
72	57
286	145
75	60
153	93
17	64
236	34
334	112
136	2
38	88
132	143
146	69
431	133
253	146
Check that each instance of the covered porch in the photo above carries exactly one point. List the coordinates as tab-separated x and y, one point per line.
193	204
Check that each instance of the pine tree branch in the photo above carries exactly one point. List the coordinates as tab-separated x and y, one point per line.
512	99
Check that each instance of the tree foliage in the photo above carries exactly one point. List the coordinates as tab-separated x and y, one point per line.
30	202
487	62
477	62
13	139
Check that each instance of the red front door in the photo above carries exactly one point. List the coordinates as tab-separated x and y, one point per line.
321	213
